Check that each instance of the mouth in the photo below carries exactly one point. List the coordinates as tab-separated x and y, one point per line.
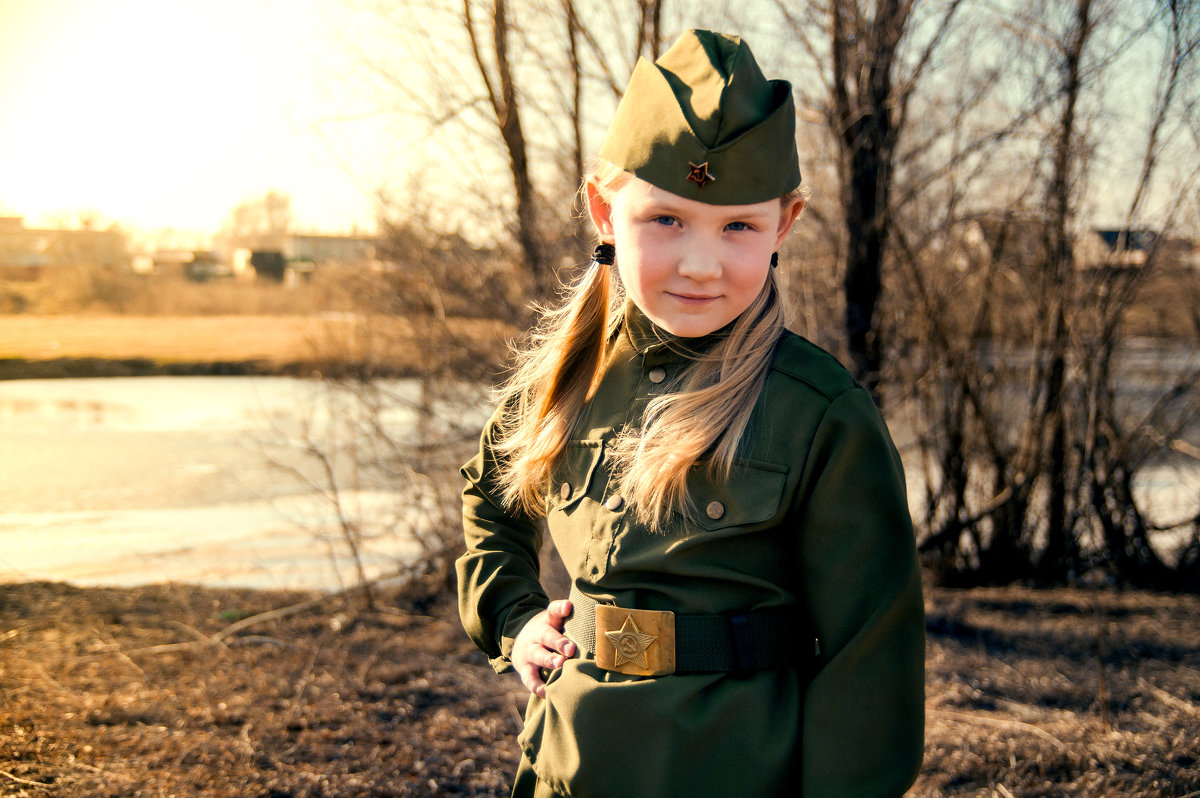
693	299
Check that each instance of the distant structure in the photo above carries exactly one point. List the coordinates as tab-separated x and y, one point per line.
1020	242
323	250
26	253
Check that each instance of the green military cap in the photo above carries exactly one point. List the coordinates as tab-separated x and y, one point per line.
702	122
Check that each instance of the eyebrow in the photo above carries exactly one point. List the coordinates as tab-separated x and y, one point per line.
667	205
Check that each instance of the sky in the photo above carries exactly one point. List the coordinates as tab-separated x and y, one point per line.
165	114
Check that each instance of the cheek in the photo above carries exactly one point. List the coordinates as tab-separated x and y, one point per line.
639	261
753	277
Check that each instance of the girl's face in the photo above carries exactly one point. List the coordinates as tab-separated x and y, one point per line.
689	266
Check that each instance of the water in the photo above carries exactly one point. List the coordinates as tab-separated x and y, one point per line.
128	481
193	479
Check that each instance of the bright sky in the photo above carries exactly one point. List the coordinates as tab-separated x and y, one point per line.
167	113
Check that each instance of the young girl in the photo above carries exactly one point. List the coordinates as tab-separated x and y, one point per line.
745	616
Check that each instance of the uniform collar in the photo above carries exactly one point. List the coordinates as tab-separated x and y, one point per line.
654	343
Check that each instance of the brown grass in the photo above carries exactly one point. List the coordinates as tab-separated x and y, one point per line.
377	344
152	691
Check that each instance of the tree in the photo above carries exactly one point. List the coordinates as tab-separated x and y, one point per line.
869	81
259	223
1018	375
499	99
496	73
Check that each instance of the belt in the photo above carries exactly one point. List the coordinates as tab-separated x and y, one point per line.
654	643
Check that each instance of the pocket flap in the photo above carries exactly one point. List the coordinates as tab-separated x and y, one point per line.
750	495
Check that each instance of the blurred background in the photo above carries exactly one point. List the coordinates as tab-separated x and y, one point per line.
1002	241
260	261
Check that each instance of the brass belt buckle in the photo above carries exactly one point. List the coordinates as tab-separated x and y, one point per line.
636	642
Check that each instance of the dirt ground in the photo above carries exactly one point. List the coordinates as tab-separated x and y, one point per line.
172	690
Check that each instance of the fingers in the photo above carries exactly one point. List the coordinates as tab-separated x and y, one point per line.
559	612
541	645
534	658
556	615
531	677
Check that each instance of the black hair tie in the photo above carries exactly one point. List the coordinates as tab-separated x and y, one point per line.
605	254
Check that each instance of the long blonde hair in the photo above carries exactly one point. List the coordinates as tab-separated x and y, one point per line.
699	421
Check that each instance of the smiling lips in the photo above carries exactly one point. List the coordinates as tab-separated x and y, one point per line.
692	299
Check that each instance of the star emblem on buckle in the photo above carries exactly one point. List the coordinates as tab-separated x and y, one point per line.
630	643
699	174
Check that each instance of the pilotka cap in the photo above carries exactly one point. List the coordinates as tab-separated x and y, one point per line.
703	123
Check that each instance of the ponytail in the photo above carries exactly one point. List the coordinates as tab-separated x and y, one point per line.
554	377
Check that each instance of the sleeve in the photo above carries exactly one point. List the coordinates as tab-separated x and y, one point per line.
498	585
863	714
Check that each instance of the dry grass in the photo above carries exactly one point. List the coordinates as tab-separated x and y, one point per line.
1062	693
140	693
373	345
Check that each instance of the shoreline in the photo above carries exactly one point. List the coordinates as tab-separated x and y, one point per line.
348	346
19	368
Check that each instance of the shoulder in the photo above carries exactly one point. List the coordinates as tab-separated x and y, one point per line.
800	364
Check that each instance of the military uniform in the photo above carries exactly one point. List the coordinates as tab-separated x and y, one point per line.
812	523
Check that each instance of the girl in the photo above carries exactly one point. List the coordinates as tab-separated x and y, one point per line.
745	616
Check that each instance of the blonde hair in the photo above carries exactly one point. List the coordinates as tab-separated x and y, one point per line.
699	421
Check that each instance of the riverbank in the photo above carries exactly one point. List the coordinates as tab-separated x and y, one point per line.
178	690
39	347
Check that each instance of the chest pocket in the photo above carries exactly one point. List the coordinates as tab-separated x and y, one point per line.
750	496
575	474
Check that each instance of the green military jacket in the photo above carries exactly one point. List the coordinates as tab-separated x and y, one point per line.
815	521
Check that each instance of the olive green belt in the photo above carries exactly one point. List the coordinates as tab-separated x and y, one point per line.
655	643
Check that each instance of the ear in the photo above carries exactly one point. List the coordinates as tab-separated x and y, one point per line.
787	217
601	212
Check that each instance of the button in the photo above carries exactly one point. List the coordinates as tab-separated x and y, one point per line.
715	510
565	490
615	502
657	374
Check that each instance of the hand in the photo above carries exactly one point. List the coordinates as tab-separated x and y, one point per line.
540	644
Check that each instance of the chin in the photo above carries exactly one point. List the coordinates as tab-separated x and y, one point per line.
689	330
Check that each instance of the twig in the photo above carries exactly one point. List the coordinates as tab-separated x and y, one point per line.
193	631
1004	724
27	782
1004	791
1103	681
1170	700
271	615
259	639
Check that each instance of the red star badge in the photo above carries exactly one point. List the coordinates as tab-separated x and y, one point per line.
699	174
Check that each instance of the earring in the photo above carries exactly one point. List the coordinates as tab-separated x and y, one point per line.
605	254
774	260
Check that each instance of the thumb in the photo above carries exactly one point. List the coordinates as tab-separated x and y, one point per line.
559	611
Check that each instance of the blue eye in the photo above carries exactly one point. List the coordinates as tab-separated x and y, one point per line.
737	226
664	220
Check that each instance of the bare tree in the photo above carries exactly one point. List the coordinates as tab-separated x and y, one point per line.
1032	434
259	223
869	80
496	73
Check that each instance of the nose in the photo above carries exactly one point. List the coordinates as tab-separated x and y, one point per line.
700	264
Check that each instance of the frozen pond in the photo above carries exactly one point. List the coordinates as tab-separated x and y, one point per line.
194	479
